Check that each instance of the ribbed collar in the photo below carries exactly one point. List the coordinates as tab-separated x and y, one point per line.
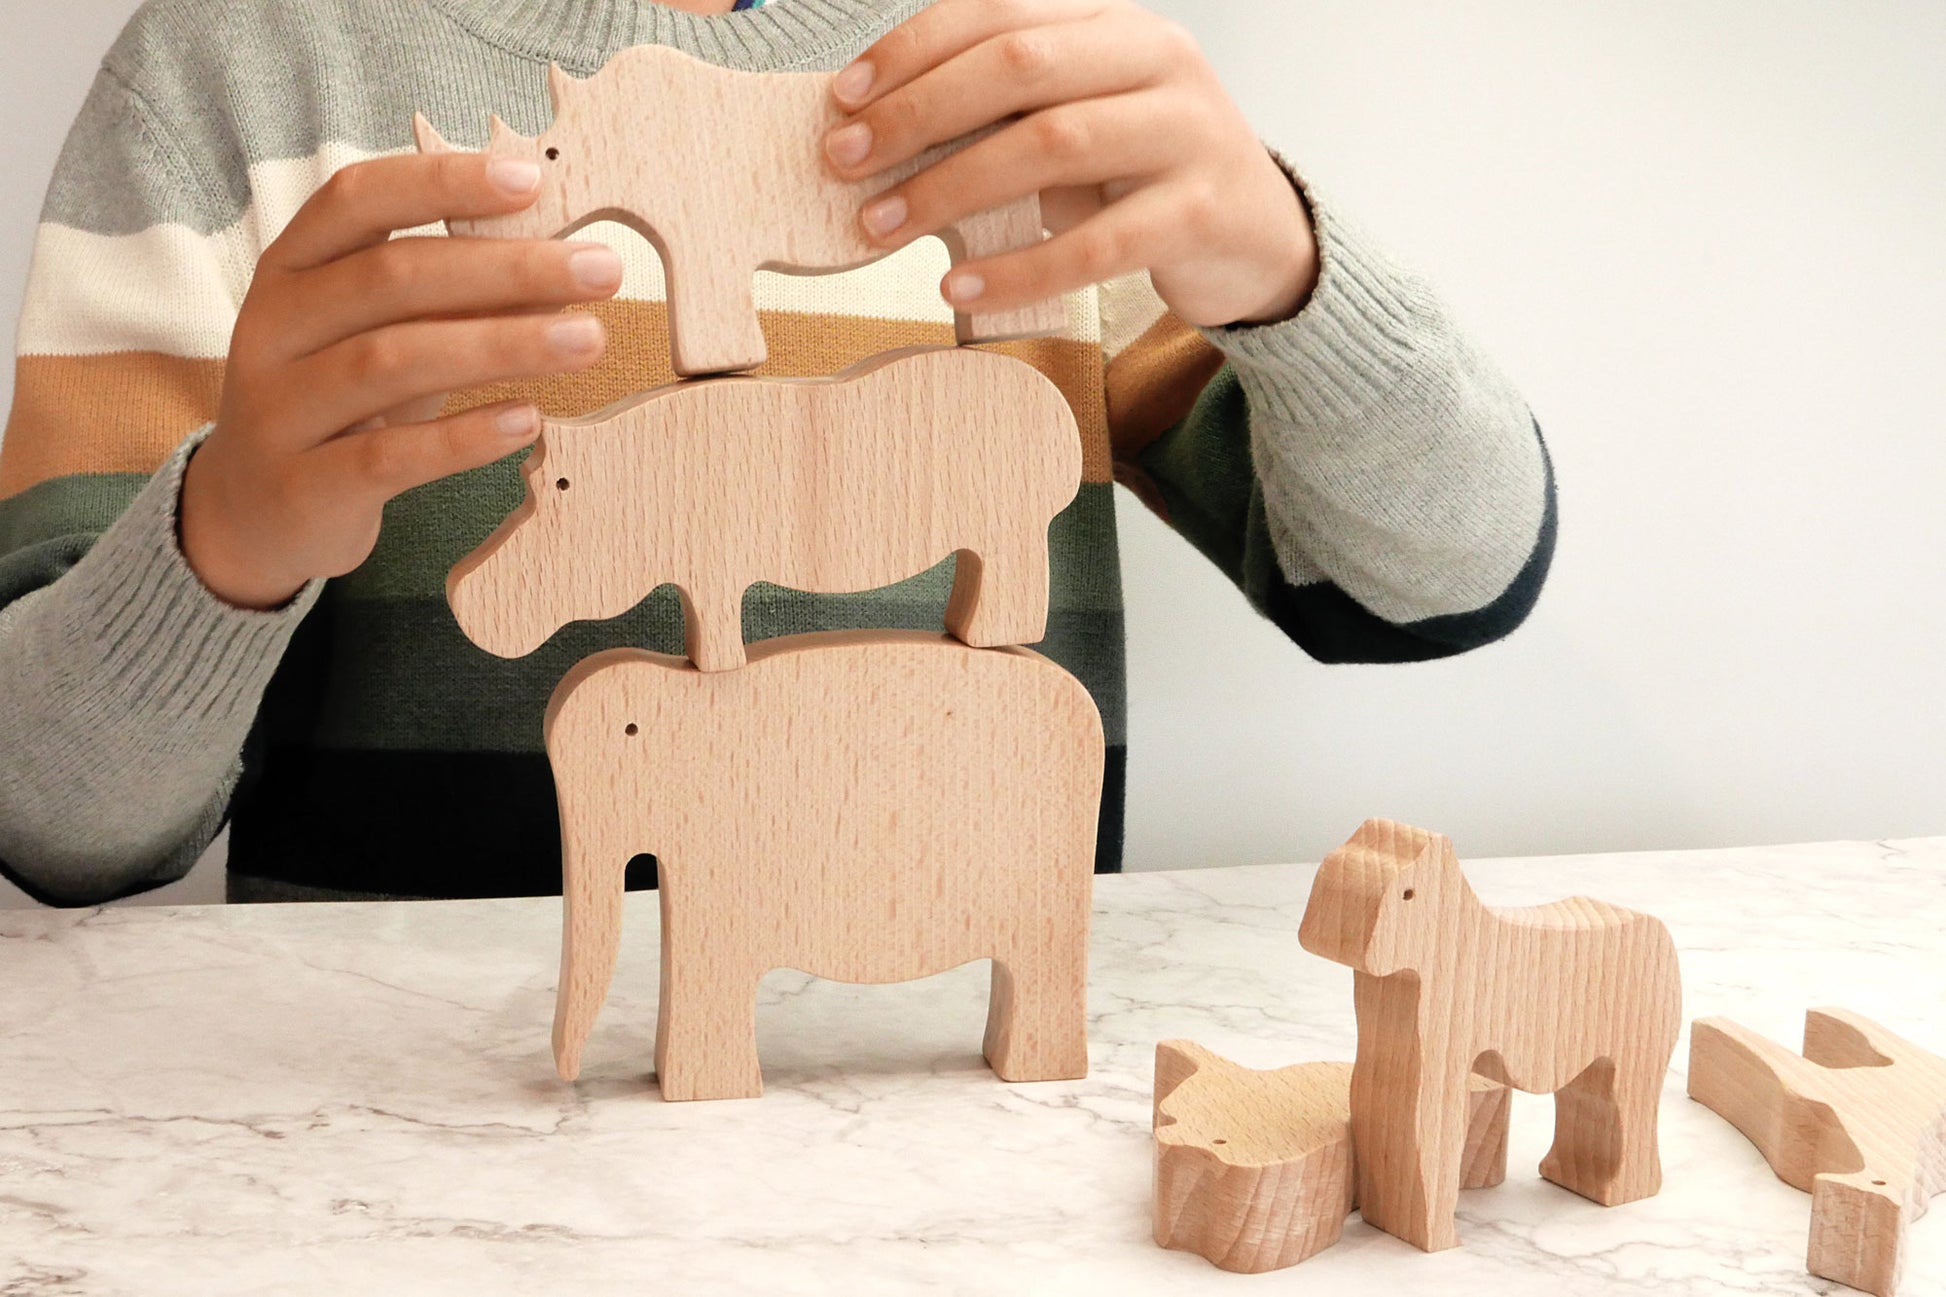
581	35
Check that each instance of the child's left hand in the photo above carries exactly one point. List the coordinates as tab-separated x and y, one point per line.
1142	161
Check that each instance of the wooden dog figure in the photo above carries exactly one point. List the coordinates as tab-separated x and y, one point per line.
724	172
1858	1121
1579	999
1254	1170
824	484
869	806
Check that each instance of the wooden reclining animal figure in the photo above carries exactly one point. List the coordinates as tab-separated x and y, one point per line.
1580	999
1858	1121
1255	1170
868	806
724	172
826	484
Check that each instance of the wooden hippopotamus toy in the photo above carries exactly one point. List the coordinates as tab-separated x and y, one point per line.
869	806
830	485
724	172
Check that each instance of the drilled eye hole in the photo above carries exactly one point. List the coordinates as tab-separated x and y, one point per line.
554	155
560	484
1219	1141
631	729
1409	893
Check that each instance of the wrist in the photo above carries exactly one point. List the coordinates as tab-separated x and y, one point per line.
1291	257
218	557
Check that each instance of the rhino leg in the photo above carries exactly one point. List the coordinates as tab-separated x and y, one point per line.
713	326
1000	594
988	234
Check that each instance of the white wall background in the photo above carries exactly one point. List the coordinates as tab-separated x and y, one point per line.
1709	239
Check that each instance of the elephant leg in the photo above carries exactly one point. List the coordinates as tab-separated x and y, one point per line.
713	628
1605	1124
1037	1016
1000	594
1410	1137
706	1021
592	875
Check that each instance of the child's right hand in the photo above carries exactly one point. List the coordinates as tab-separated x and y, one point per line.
344	349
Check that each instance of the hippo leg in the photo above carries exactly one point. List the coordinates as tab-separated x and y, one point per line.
1000	594
713	628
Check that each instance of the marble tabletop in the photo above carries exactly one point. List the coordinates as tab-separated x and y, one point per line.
360	1099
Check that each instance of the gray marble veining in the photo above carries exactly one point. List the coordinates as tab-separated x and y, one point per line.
360	1098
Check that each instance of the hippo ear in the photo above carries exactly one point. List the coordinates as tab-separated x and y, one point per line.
560	86
502	137
428	139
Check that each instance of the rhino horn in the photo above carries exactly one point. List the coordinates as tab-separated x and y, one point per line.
429	140
560	87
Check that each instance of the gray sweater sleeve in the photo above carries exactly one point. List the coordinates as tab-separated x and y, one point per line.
1368	476
126	691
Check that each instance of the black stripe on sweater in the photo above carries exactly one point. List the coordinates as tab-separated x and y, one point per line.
446	824
1331	626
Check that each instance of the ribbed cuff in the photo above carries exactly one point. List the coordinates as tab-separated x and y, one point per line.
149	647
1395	458
1368	328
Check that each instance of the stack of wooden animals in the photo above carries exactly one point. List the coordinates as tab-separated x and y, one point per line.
871	806
877	806
1455	1002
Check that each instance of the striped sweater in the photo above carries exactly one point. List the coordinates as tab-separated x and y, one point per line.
1364	475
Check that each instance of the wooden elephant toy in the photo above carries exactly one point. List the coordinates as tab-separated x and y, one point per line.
868	806
753	192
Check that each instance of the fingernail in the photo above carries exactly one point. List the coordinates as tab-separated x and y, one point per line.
854	83
575	336
518	423
514	175
885	215
964	288
596	267
848	145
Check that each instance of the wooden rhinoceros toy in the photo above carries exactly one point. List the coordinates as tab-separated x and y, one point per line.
869	806
724	172
832	485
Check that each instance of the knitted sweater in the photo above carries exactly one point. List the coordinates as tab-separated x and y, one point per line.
1363	474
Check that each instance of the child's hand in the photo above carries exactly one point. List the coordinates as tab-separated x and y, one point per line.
343	350
1141	160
